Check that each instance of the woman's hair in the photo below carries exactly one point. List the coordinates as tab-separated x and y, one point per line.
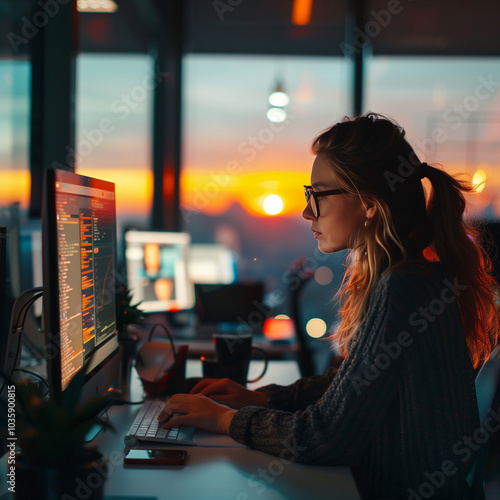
370	158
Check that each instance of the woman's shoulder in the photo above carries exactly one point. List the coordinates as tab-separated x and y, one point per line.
403	293
402	290
414	282
413	273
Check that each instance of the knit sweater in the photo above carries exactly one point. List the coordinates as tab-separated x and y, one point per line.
402	405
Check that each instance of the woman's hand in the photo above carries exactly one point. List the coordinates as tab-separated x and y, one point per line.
228	392
197	410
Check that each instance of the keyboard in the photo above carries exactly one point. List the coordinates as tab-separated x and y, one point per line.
147	429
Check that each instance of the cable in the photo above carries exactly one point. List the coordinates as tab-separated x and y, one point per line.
168	335
34	375
26	299
18	316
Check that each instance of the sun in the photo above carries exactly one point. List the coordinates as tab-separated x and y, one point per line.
272	204
479	180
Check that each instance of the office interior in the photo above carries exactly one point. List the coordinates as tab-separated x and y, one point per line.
170	100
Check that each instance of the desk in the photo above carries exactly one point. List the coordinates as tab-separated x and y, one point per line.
220	473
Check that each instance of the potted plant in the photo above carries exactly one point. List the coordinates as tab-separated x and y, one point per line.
47	456
127	314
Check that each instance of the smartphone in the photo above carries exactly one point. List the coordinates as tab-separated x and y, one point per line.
155	457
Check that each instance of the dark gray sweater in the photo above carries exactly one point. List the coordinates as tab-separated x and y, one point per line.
402	405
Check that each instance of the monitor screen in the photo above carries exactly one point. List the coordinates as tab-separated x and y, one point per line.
211	263
79	246
157	270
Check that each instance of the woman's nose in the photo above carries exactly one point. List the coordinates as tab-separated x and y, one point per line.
307	213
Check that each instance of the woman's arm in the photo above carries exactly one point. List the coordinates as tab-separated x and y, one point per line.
296	396
299	395
333	430
203	408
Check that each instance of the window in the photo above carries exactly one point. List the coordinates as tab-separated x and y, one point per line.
14	133
234	158
113	129
449	108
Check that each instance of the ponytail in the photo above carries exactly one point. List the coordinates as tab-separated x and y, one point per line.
458	245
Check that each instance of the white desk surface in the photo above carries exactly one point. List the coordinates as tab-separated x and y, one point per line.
219	473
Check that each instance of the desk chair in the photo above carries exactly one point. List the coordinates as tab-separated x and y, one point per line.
487	383
299	270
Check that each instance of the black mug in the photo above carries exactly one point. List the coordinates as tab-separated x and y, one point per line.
232	358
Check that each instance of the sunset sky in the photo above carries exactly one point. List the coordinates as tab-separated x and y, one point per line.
231	152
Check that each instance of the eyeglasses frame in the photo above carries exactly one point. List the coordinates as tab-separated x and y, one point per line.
309	190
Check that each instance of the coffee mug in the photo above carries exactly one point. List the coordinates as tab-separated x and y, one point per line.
232	358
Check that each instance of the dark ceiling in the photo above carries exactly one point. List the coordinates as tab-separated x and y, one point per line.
428	27
415	27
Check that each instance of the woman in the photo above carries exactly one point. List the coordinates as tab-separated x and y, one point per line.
417	316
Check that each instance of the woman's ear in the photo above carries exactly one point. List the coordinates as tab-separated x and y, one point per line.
370	207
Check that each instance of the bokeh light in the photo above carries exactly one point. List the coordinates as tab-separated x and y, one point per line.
279	99
316	328
323	275
276	115
479	180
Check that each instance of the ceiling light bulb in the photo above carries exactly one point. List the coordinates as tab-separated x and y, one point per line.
276	115
279	98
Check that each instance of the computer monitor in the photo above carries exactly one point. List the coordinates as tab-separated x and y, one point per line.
157	270
79	247
234	303
211	263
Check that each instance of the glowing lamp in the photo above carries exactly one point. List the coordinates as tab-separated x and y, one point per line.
101	6
279	99
301	12
276	115
279	328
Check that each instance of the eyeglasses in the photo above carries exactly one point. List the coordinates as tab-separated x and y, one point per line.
316	195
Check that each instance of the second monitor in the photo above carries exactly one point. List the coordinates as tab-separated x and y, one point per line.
163	266
157	270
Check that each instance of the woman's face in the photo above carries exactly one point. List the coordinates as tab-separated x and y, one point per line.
341	215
